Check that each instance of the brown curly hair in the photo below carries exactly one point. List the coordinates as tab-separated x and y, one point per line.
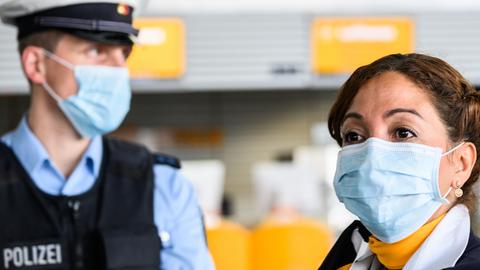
454	98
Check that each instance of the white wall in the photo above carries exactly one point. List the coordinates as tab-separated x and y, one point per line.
198	6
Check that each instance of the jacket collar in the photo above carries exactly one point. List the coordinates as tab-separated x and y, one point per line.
442	248
446	244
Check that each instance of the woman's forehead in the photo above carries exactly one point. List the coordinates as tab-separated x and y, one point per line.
390	90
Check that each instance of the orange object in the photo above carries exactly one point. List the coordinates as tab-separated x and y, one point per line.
229	244
290	245
123	9
396	255
340	45
160	50
345	267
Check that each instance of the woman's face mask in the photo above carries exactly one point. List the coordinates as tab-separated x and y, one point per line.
392	172
392	187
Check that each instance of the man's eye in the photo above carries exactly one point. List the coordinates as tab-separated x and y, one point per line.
93	52
127	51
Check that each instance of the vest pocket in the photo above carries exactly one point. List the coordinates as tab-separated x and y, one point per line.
131	250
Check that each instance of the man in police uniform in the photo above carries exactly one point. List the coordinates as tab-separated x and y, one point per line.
69	197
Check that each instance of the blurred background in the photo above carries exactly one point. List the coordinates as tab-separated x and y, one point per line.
240	91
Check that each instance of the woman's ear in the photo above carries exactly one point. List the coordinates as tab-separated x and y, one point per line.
464	162
33	63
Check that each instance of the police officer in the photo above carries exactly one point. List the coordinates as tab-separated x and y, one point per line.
69	197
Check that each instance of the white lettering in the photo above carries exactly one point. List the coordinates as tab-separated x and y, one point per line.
17	257
59	253
51	254
23	256
367	33
41	255
35	256
27	262
7	257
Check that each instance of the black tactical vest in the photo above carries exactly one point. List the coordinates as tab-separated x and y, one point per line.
110	226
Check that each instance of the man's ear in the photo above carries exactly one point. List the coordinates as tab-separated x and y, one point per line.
33	63
465	160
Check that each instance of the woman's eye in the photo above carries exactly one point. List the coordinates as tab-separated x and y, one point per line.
352	137
404	133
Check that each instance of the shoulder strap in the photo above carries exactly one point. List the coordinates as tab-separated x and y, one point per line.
125	152
130	153
162	159
127	184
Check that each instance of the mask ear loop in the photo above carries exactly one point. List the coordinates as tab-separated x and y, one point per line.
458	191
51	92
58	59
62	62
453	149
444	197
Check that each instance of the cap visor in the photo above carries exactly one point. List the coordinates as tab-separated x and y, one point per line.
103	37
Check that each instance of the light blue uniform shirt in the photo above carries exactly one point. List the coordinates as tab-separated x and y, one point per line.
176	212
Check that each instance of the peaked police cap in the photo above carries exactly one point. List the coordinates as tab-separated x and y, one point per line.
108	22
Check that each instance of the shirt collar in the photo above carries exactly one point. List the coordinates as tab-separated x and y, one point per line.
31	153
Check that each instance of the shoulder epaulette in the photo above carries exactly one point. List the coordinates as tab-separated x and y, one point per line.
163	159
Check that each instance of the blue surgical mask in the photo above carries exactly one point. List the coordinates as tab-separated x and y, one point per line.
102	100
392	187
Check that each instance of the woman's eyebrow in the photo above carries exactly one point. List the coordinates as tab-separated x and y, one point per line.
389	113
352	115
401	110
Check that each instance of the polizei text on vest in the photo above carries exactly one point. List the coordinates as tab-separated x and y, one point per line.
36	255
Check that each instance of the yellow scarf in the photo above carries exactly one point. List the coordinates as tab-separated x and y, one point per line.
395	255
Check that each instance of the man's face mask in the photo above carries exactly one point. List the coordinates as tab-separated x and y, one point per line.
102	100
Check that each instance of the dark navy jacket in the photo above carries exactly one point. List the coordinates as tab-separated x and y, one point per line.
343	252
